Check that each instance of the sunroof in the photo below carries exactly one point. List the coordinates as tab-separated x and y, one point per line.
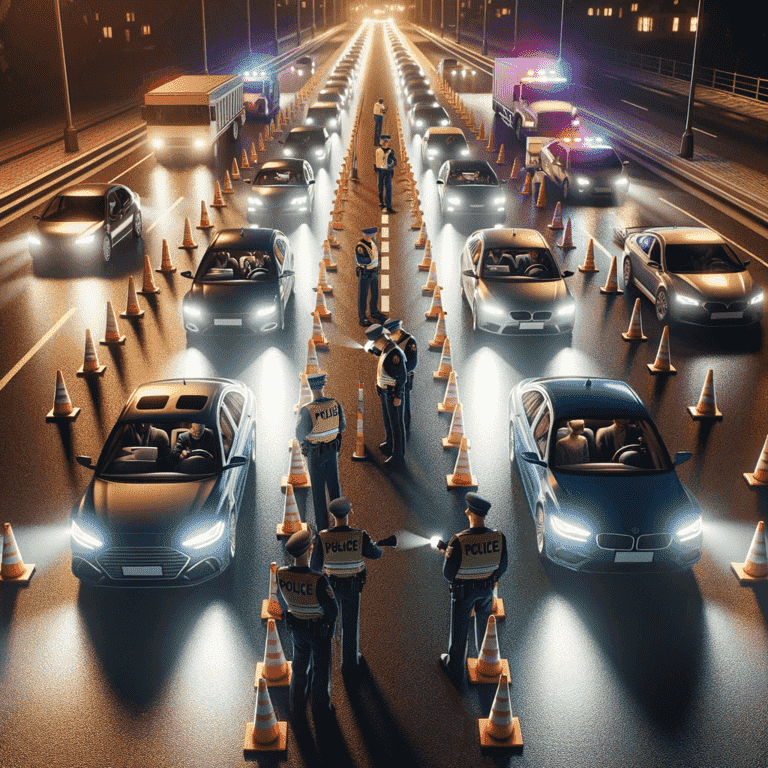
191	402
152	403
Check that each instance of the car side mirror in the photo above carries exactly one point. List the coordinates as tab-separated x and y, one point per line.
654	265
746	262
287	273
568	273
36	217
440	181
311	181
533	458
625	162
681	457
235	462
186	273
85	461
469	273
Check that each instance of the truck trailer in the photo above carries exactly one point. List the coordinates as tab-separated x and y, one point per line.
261	89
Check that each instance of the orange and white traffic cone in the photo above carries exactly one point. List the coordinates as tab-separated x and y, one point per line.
270	608
567	241
635	330
440	337
253	156
760	475
500	159
589	259
330	264
244	159
275	669
336	221
333	241
527	186
444	369
132	309
148	285
228	189
291	520
321	308
262	146
62	405
418	221
13	569
235	170
297	476
205	221
611	283
437	305
490	146
487	667
322	280
90	366
188	241
514	174
318	336
112	334
451	397
500	729
541	200
557	218
662	364
422	239
305	393
755	566
166	264
359	452
706	408
218	198
481	132
456	430
498	604
431	283
462	476
426	262
312	366
265	733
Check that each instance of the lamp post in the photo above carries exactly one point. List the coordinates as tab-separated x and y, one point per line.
442	18
686	145
70	134
457	22
562	19
277	36
313	20
205	44
485	27
298	22
248	17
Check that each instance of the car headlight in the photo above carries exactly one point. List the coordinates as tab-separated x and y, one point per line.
299	200
492	309
319	153
84	538
690	531
288	152
333	122
464	152
432	153
566	309
622	181
205	538
310	121
193	311
499	200
453	200
255	200
199	143
757	298
686	301
85	240
569	530
33	239
419	123
583	181
158	143
265	311
445	122
435	104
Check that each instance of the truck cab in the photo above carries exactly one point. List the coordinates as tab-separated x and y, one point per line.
261	92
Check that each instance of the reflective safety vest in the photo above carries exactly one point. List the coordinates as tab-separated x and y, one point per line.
325	420
373	255
383	379
480	554
300	592
342	552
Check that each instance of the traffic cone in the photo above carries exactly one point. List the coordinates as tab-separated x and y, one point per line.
662	363
321	308
62	405
253	156
481	132
228	189
90	366
456	430
291	520
437	305
270	608
498	604
188	241
589	259
330	264
318	336
444	369
462	476
148	286
567	240
333	241
322	280
514	174
557	218
218	198
755	566
417	222
611	284
205	222
359	453
635	330
235	170
426	261
541	200
312	366
490	146
500	729
112	334
487	667
451	397
760	475
527	185
500	159
431	283
262	146
132	309
13	568
166	265
422	241
706	408
336	221
440	337
305	393
244	159
265	733
275	670
297	475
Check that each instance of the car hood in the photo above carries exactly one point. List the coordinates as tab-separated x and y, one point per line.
726	287
522	295
68	228
472	194
544	106
235	296
279	194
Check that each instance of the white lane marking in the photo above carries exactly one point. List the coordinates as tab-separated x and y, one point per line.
385	282
700	130
384	232
112	181
385	263
652	90
385	247
162	215
727	239
24	360
385	303
632	104
384	218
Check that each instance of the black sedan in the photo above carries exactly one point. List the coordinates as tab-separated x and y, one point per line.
470	188
243	283
309	142
422	117
282	188
163	506
82	224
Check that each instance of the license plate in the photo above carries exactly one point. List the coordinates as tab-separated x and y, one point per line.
633	557
227	321
531	326
142	570
602	190
726	316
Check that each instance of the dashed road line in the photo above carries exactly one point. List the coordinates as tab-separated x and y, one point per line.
707	133
385	247
162	215
632	104
385	303
385	263
385	282
112	181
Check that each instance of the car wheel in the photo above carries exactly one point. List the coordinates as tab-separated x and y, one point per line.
519	129
235	130
137	224
232	534
106	248
541	533
627	270
566	190
662	306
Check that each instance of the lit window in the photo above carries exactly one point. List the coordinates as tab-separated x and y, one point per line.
107	31
621	12
130	16
591	12
644	24
598	11
85	18
633	7
694	23
676	24
95	16
127	35
608	12
146	30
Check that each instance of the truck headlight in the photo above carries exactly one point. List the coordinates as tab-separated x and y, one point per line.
686	301
622	181
206	537
690	531
84	538
583	181
33	239
158	143
569	530
199	143
85	240
757	298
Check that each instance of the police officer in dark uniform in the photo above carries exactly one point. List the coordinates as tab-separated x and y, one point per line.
407	343
340	556
385	162
311	614
319	427
391	381
367	262
475	559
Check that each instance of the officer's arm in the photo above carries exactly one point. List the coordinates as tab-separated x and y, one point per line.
370	549
411	351
452	559
361	254
503	561
303	425
327	599
399	374
280	598
316	559
342	420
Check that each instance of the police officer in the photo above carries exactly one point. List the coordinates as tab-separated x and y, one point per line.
385	168
367	261
475	559
340	556
379	110
391	381
319	427
311	615
407	343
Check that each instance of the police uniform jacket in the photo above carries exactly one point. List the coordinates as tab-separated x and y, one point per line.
306	594
391	373
320	421
367	255
385	159
341	550
476	554
408	344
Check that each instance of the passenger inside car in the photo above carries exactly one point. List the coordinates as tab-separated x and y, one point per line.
255	265
573	448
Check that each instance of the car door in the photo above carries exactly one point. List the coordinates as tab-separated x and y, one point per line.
229	481
442	177
532	402
121	213
309	178
648	249
233	404
540	475
284	259
471	261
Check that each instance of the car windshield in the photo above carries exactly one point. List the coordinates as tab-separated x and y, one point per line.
609	446
304	139
334	96
447	141
321	115
689	258
75	208
278	177
595	160
234	264
463	176
519	263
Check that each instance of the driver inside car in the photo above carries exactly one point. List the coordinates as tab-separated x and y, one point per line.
197	438
610	439
143	435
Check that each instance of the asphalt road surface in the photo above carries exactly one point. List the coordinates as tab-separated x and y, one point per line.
662	670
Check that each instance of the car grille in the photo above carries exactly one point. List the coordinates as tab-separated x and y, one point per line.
170	560
623	541
524	316
719	306
654	541
615	541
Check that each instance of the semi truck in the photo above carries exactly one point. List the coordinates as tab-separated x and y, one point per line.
532	95
187	116
261	90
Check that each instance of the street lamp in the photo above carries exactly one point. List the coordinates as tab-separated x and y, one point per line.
485	27
686	145
442	18
70	134
457	23
205	45
313	20
298	22
277	37
248	17
562	19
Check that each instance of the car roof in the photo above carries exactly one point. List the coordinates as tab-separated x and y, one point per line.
306	129
687	235
467	166
244	239
572	396
289	163
427	108
88	190
209	388
512	237
443	130
325	105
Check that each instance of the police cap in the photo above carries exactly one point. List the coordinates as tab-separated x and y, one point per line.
374	331
384	137
393	325
477	504
370	231
317	380
340	507
299	542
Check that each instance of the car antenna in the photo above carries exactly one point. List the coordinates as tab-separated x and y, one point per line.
184	379
588	383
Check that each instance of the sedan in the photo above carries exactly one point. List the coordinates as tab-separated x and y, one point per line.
163	506
341	85
328	95
514	286
417	89
326	114
422	117
82	224
441	144
309	142
691	275
282	188
470	188
304	64
602	489
243	283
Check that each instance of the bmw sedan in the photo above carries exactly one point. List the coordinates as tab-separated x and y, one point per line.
691	275
470	188
163	506
602	489
243	283
82	224
282	188
514	286
309	142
